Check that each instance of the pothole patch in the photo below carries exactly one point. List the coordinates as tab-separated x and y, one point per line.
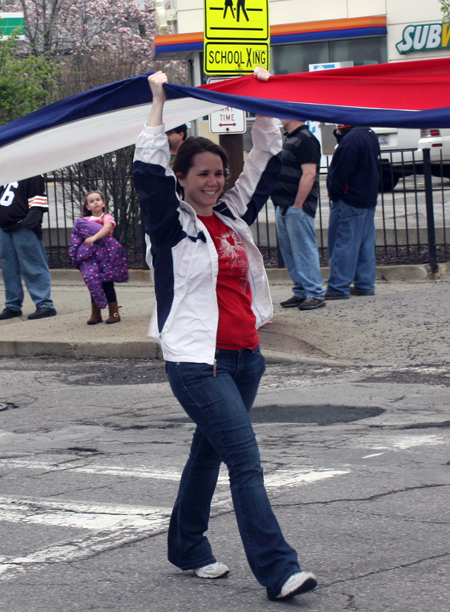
327	414
84	450
443	424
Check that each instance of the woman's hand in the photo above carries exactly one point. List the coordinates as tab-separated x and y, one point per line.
156	82
90	240
261	74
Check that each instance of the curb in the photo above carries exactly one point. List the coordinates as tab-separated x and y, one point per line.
70	276
146	349
404	273
131	350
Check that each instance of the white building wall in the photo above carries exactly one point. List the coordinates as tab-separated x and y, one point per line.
189	20
366	8
298	11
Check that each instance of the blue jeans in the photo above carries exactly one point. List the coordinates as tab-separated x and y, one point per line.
219	405
297	242
351	245
22	255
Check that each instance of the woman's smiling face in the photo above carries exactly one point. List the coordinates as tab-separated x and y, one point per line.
204	182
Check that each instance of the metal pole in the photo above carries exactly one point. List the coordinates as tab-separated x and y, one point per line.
430	210
234	146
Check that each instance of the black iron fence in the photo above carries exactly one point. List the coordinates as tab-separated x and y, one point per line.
66	188
411	215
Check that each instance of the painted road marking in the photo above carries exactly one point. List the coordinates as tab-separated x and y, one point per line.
279	478
109	525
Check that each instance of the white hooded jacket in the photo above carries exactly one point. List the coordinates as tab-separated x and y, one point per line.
185	260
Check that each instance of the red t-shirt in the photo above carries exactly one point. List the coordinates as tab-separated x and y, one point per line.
237	323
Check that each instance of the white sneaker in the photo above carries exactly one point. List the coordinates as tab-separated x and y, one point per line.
301	582
213	570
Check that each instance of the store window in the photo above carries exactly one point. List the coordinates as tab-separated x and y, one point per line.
288	59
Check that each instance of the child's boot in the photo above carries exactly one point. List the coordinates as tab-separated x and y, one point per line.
114	316
96	315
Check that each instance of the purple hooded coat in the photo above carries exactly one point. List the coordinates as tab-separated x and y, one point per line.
103	261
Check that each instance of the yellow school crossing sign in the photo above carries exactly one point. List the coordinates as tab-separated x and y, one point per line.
237	36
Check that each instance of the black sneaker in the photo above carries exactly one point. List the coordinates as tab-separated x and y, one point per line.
293	302
330	296
9	313
354	291
42	313
311	303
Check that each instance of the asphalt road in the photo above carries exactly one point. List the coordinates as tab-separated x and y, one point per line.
356	463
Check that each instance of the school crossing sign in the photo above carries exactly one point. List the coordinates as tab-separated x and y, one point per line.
237	36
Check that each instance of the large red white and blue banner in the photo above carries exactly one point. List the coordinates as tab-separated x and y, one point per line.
413	94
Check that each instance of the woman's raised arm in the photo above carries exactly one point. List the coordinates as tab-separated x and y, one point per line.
156	82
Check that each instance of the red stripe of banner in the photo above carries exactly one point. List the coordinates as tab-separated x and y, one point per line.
409	85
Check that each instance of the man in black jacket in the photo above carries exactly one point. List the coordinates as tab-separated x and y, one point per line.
352	182
22	253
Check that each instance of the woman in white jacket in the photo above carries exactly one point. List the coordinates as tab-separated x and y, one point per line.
212	294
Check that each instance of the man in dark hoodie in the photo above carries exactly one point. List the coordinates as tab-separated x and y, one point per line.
352	183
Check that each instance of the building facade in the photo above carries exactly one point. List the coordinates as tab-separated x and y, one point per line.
304	33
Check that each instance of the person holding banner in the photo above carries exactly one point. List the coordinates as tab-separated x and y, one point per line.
212	295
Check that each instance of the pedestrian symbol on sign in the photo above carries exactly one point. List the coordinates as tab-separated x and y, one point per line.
228	5
240	5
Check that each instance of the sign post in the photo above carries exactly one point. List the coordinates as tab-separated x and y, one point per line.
237	36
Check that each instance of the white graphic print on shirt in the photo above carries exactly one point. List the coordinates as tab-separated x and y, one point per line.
232	250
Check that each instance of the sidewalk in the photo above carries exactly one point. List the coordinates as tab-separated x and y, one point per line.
405	323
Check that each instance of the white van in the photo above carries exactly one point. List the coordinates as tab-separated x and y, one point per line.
401	153
438	141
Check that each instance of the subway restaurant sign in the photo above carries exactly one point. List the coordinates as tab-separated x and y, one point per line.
426	37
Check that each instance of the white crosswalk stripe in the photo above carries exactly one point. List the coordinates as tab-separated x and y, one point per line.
279	478
109	525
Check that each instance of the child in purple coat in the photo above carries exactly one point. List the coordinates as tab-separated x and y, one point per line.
102	264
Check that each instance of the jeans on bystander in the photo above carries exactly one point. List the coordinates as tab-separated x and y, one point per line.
22	255
351	245
298	245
